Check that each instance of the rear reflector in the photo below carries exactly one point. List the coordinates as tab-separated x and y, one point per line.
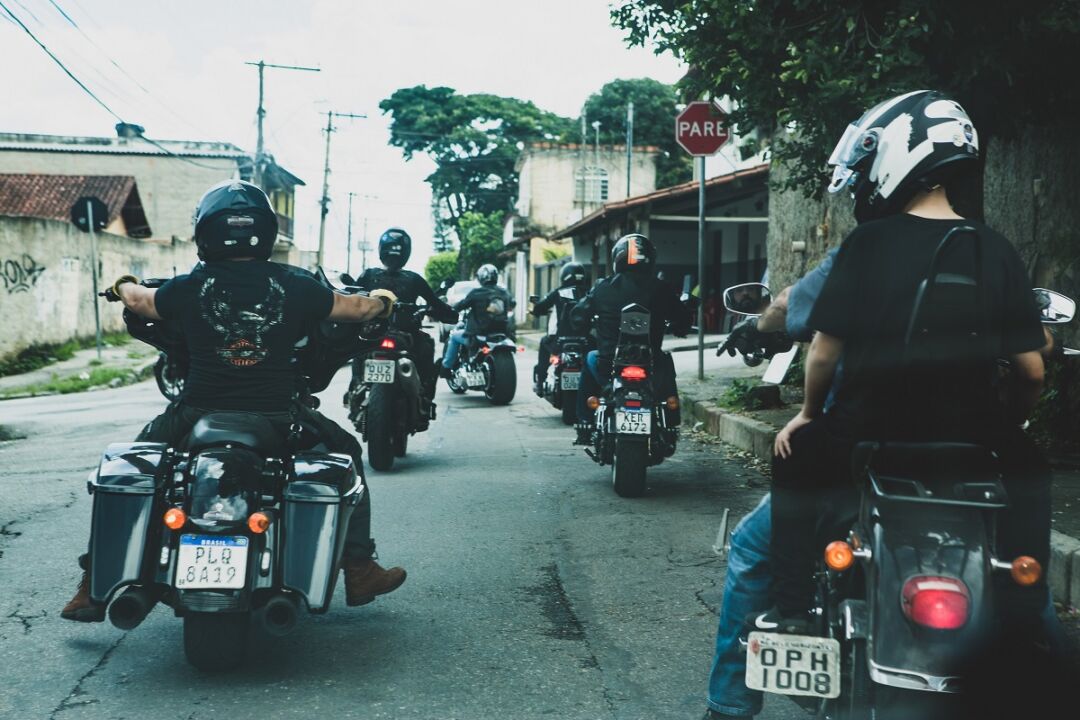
632	403
633	372
941	603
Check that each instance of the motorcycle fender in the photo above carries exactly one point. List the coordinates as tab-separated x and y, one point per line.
127	491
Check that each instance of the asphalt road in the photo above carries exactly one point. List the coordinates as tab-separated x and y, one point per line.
533	591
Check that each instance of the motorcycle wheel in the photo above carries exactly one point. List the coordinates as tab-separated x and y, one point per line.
169	385
569	407
215	642
451	383
502	379
401	445
380	427
628	467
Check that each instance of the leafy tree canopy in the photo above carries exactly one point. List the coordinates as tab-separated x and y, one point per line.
473	139
815	65
481	237
441	266
654	122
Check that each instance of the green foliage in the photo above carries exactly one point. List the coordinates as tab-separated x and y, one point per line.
1055	423
739	395
551	254
42	355
441	266
654	122
481	237
815	65
474	141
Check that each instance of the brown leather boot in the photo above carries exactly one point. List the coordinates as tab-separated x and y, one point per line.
81	608
364	579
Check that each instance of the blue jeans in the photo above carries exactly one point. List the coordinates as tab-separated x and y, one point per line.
454	343
590	385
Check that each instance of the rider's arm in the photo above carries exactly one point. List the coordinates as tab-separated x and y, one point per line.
356	308
821	362
802	296
438	308
774	318
139	299
581	314
1027	384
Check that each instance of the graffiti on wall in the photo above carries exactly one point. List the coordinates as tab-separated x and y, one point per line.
20	275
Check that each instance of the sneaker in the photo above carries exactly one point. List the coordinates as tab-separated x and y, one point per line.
81	608
445	372
364	579
772	621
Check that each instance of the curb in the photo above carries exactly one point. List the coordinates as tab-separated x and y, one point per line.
139	373
757	437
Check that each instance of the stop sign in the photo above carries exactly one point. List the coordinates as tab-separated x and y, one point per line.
701	128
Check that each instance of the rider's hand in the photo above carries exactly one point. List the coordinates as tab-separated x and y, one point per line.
782	444
113	293
389	298
743	338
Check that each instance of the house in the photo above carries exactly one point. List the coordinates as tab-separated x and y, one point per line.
52	197
171	174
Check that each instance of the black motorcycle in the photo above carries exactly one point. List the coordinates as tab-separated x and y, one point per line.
487	364
559	386
237	522
636	424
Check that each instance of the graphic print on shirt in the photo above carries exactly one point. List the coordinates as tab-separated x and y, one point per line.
240	330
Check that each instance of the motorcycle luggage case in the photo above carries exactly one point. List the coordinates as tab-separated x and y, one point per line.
126	488
318	502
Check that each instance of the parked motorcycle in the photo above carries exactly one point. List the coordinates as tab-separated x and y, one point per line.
237	523
636	424
486	364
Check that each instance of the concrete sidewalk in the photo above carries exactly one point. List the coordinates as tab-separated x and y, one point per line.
135	356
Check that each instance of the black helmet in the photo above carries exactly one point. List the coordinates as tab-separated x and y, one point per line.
395	246
633	252
235	219
912	142
572	273
487	274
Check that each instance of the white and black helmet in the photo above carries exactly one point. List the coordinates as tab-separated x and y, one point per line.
487	274
909	143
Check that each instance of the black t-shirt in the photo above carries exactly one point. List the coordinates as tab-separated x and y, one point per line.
407	286
241	321
867	303
488	307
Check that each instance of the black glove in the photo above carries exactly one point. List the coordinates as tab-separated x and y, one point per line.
744	338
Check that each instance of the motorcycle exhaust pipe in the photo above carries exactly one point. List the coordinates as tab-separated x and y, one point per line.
406	368
279	615
132	607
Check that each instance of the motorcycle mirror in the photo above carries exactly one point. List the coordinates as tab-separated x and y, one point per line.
747	299
447	284
1055	308
347	279
534	298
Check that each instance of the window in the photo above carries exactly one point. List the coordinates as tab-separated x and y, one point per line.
591	185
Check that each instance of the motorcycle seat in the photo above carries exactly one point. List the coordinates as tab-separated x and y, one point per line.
926	462
235	428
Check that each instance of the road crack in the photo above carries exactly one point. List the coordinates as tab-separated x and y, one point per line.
26	620
72	700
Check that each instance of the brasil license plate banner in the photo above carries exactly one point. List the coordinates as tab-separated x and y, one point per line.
793	664
571	380
211	562
633	422
379	371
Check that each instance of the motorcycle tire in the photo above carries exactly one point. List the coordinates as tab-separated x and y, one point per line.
454	387
380	427
216	642
401	445
628	467
502	378
169	386
569	407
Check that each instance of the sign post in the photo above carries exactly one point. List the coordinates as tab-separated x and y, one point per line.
90	214
701	129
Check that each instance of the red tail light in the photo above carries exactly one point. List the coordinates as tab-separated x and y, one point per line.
388	344
633	372
941	603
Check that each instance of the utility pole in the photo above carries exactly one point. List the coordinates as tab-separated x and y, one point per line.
596	127
629	143
325	201
364	247
348	241
262	112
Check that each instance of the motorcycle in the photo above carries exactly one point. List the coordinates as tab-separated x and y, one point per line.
486	364
636	426
236	523
559	386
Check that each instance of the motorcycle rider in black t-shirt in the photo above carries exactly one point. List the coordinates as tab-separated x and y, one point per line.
489	312
904	160
241	316
395	247
635	281
573	284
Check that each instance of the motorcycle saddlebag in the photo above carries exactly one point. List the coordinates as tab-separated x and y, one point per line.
318	501
126	488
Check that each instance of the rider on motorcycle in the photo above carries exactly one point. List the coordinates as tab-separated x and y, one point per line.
241	316
395	246
902	201
635	281
489	306
572	277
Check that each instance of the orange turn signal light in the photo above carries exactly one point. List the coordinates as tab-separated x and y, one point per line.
838	555
1026	570
258	522
672	403
593	402
175	518
521	348
485	350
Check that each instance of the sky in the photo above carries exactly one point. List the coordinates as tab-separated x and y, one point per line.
177	68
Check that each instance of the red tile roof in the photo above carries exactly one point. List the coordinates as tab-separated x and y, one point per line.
51	197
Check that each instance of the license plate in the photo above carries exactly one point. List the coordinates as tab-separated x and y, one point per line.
633	422
211	562
793	664
570	380
379	371
474	379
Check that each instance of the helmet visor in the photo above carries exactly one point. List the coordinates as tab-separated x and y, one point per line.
855	144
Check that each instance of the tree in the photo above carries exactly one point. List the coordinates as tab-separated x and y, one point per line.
481	240
441	266
812	66
473	139
654	122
